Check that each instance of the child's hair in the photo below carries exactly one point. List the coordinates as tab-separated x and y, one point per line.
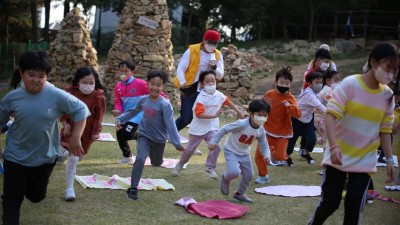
312	76
205	73
86	71
285	73
259	105
156	73
322	54
328	75
381	51
127	63
37	61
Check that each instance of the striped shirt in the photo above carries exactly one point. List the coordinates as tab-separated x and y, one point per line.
361	114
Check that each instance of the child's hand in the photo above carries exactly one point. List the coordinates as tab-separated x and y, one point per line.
239	115
286	103
67	128
395	128
266	159
180	148
389	173
118	125
218	113
116	113
95	137
336	156
212	146
75	146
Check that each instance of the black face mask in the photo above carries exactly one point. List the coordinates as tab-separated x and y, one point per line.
282	90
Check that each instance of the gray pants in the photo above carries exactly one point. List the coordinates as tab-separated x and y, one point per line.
145	147
238	164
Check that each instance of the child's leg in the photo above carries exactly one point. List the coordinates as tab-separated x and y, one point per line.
247	172
70	171
124	135
278	146
143	150
355	197
297	127
309	133
319	124
332	188
212	158
193	143
232	166
261	164
156	153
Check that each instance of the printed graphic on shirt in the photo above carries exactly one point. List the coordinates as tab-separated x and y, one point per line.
244	139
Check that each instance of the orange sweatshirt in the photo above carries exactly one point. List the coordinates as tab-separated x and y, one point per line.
279	123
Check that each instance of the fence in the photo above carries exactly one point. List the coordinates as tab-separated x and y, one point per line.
10	53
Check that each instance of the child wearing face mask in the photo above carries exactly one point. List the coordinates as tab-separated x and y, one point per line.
303	126
205	123
322	63
86	86
332	65
237	146
330	81
278	127
359	116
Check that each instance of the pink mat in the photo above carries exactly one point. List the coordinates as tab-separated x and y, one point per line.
291	190
218	209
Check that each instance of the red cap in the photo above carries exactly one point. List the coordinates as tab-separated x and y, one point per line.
211	35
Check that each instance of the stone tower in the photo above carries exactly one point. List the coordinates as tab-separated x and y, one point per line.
143	36
71	50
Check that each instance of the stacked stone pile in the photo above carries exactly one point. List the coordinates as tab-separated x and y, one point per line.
149	48
71	49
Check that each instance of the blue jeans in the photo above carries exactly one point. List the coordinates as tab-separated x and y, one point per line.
186	117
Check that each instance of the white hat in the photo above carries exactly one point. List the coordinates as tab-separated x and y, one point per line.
324	46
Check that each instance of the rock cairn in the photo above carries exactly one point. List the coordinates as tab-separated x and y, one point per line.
148	48
71	49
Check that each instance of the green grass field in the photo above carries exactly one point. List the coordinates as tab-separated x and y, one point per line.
104	206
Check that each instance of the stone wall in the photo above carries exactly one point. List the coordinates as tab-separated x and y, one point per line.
149	49
71	49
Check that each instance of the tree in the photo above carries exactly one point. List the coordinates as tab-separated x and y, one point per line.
34	21
46	20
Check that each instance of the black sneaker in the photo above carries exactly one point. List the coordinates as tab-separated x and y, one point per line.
132	193
289	162
381	160
309	159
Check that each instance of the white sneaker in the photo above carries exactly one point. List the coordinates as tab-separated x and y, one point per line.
211	174
127	160
62	156
177	170
262	180
300	152
70	195
197	152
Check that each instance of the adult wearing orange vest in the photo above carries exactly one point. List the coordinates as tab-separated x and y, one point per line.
197	58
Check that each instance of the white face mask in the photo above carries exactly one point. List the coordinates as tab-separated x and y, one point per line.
259	120
210	48
383	77
210	89
86	88
324	66
334	85
317	88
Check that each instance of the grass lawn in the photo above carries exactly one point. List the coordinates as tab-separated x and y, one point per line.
103	206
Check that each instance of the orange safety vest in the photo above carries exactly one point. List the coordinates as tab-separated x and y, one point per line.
191	71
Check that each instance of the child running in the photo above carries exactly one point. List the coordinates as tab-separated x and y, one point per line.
303	126
156	126
33	140
205	123
237	148
278	127
330	81
359	118
86	87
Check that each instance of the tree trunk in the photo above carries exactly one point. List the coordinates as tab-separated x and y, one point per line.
311	20
233	33
46	20
284	27
66	7
34	21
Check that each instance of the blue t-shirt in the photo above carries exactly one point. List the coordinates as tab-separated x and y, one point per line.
34	137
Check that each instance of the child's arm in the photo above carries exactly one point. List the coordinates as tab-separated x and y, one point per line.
264	147
228	128
239	114
336	152
199	112
75	145
387	148
98	116
168	114
292	108
128	114
118	108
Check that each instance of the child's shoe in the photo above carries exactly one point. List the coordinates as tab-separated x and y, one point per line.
62	156
242	198
127	160
289	162
70	195
177	170
197	152
211	173
262	179
300	152
132	193
224	186
309	159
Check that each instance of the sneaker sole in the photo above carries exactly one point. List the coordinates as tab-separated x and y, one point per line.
242	200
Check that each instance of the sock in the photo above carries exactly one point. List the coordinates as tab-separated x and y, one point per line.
70	171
